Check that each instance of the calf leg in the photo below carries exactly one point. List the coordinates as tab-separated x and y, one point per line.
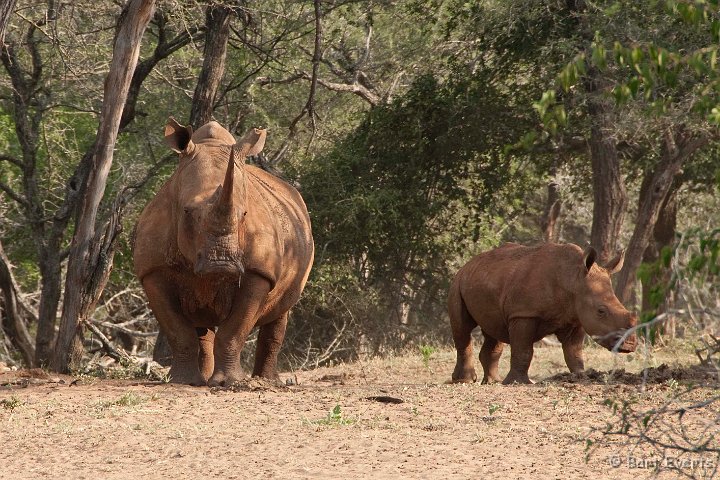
206	360
462	326
269	342
490	358
572	345
522	336
180	333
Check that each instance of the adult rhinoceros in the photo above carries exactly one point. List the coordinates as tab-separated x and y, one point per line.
223	245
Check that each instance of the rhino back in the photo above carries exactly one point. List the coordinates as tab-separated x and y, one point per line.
278	236
515	281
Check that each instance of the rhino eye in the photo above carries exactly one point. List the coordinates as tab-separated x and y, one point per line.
602	311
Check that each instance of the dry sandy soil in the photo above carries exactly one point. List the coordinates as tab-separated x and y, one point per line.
329	425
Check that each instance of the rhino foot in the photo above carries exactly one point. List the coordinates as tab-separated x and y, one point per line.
464	375
514	377
186	378
221	379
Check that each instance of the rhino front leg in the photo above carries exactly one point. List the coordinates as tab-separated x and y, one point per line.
522	336
572	345
180	333
232	333
270	340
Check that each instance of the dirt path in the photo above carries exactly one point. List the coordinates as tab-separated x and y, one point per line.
324	427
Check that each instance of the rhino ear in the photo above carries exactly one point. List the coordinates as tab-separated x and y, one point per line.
177	137
589	257
252	142
614	265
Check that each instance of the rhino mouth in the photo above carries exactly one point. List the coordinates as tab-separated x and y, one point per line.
218	265
614	341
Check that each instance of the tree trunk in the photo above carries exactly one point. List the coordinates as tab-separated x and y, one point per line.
678	146
553	205
658	277
609	195
6	10
89	264
11	320
217	31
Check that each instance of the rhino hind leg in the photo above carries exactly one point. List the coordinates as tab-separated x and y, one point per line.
522	336
180	334
270	339
490	358
462	326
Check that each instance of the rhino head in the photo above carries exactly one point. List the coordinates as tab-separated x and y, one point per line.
211	202
600	312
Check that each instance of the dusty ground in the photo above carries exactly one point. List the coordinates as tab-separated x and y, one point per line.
327	426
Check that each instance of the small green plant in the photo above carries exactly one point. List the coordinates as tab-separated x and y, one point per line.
494	407
11	403
426	351
336	417
128	399
672	383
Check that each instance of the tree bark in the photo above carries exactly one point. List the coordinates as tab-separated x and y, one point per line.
12	323
678	146
217	32
609	195
553	205
6	9
663	237
89	265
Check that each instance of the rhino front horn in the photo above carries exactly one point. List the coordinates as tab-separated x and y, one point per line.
225	202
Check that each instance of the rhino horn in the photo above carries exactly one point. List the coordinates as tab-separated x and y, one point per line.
225	202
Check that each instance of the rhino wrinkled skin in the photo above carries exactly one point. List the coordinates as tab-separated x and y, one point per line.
222	248
518	295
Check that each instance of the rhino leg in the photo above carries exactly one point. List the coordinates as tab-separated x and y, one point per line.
206	360
270	340
522	336
233	331
572	345
490	358
180	334
462	326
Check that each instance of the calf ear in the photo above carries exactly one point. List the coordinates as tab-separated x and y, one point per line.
614	265
177	137
589	257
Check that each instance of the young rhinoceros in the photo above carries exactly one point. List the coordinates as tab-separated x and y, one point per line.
222	245
519	294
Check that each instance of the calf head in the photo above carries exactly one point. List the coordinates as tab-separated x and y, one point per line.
211	202
600	312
